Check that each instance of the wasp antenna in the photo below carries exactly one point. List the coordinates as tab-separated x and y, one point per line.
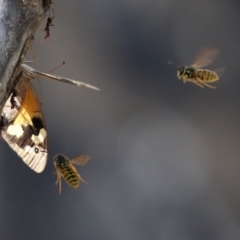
66	150
171	63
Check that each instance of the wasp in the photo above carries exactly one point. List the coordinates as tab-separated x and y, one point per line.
65	169
195	73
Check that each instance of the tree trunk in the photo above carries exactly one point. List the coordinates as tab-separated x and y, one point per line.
19	19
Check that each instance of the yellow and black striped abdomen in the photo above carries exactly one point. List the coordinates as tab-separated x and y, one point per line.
67	171
205	75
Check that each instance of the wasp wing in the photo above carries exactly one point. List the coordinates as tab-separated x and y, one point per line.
219	71
80	160
205	57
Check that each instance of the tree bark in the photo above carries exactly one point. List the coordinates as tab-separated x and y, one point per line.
19	19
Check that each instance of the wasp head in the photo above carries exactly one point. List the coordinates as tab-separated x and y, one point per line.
60	159
181	71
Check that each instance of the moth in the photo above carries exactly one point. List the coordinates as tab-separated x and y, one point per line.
22	123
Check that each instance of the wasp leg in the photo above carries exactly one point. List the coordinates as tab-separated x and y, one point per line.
80	178
60	186
198	84
185	79
205	84
59	181
195	82
210	86
58	177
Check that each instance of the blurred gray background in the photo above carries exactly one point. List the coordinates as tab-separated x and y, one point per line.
165	156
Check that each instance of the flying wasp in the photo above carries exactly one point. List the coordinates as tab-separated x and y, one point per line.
195	73
65	169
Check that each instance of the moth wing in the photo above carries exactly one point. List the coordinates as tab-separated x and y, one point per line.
80	160
205	57
10	111
27	134
14	101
